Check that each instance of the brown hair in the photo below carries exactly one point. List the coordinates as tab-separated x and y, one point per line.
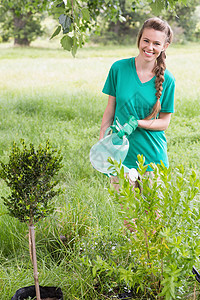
159	69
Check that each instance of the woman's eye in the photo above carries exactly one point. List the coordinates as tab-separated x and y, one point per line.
146	41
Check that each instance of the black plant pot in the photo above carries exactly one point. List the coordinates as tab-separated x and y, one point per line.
46	292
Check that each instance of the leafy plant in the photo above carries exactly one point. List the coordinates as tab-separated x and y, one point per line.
29	174
164	240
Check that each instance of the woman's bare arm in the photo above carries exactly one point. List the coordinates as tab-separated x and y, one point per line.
159	124
108	115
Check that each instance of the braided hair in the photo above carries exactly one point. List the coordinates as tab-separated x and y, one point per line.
159	69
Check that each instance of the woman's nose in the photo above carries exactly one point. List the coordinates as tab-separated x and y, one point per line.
150	46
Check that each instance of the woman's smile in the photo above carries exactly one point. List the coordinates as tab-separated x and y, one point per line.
148	53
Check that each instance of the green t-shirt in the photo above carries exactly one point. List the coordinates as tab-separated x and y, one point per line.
136	98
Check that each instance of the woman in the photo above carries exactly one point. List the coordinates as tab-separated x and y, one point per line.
141	86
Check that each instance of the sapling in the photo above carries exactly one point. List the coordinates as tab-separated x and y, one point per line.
29	175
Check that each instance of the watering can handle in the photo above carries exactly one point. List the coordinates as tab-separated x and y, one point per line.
113	128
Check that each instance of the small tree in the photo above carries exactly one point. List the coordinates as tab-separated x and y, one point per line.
29	175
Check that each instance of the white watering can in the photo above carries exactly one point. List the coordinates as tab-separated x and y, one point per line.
113	145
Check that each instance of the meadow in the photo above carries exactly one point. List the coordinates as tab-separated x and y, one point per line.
47	94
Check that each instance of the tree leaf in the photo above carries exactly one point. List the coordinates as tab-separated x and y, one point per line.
157	6
67	42
86	14
61	4
183	1
65	22
56	32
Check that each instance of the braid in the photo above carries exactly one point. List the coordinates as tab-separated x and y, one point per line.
159	70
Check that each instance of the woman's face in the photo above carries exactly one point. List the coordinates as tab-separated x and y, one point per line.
151	44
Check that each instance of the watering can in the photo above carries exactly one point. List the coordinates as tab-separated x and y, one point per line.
114	144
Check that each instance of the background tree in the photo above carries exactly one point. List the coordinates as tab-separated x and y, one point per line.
124	30
184	17
21	20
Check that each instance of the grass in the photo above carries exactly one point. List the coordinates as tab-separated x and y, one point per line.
45	93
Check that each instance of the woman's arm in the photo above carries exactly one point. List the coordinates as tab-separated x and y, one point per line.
108	115
159	124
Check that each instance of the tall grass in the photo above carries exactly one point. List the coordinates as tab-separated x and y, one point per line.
47	94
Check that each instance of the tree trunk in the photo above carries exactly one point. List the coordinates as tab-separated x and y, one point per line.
34	259
19	23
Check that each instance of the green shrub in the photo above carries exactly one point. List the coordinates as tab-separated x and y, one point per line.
29	174
164	242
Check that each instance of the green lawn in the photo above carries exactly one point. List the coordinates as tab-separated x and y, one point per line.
45	93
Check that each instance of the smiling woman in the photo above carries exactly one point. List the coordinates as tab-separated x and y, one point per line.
142	87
